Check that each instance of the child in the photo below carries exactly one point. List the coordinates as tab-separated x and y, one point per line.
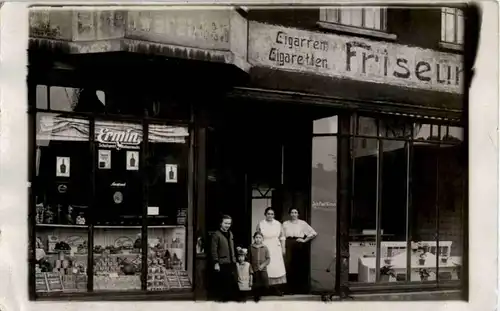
259	260
244	273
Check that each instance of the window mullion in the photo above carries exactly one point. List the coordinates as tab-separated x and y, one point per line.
378	204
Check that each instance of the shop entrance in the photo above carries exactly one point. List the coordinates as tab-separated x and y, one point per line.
258	156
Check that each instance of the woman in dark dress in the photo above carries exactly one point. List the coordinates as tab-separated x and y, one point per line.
224	262
297	233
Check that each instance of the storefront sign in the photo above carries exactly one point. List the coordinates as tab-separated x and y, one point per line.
108	134
191	28
354	58
126	138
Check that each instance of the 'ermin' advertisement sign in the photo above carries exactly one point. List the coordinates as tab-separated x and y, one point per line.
108	134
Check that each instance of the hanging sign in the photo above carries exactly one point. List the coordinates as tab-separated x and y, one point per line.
62	167
171	173
132	160
104	159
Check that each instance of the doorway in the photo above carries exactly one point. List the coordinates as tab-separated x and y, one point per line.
258	156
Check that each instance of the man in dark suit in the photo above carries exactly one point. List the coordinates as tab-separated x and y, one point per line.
224	261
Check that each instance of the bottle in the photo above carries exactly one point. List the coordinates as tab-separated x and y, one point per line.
132	161
171	174
62	167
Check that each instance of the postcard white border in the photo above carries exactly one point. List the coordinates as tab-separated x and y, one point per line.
483	197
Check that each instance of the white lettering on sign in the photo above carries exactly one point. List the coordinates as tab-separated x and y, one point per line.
354	58
118	138
118	135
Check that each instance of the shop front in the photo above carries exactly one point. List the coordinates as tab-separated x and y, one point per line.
142	135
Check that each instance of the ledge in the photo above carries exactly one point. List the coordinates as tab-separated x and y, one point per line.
358	31
451	46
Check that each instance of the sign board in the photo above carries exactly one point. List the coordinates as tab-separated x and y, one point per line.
354	58
108	134
203	29
62	166
104	159
171	173
132	160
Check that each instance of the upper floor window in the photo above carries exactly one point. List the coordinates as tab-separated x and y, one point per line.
369	18
452	25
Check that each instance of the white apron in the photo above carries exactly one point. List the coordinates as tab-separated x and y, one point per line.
271	233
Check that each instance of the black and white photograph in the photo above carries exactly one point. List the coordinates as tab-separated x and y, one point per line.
324	152
251	154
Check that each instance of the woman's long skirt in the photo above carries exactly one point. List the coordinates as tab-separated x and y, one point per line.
296	266
226	283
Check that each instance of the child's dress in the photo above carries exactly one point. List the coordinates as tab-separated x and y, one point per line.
244	272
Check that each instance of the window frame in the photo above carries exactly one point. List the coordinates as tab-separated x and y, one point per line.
92	117
409	143
336	24
457	14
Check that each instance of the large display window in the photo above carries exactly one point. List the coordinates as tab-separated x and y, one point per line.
406	216
111	201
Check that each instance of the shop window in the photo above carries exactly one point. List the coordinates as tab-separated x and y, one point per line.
62	186
328	125
117	235
407	190
324	213
167	170
368	18
68	99
363	233
452	26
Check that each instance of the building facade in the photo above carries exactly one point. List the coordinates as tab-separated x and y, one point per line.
148	125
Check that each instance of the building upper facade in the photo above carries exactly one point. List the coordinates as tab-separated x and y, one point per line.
406	55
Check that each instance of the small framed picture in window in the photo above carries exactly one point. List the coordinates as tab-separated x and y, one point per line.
104	162
171	173
132	160
62	166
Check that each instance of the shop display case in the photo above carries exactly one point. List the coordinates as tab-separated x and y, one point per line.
108	207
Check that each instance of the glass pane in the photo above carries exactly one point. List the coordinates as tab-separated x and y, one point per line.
167	258
117	240
325	125
357	17
41	97
324	213
393	261
118	178
455	134
367	127
423	218
452	174
362	237
61	190
443	25
378	20
370	17
450	28
167	172
460	29
117	258
75	99
345	16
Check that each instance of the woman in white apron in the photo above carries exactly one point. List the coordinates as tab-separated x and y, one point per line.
274	239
